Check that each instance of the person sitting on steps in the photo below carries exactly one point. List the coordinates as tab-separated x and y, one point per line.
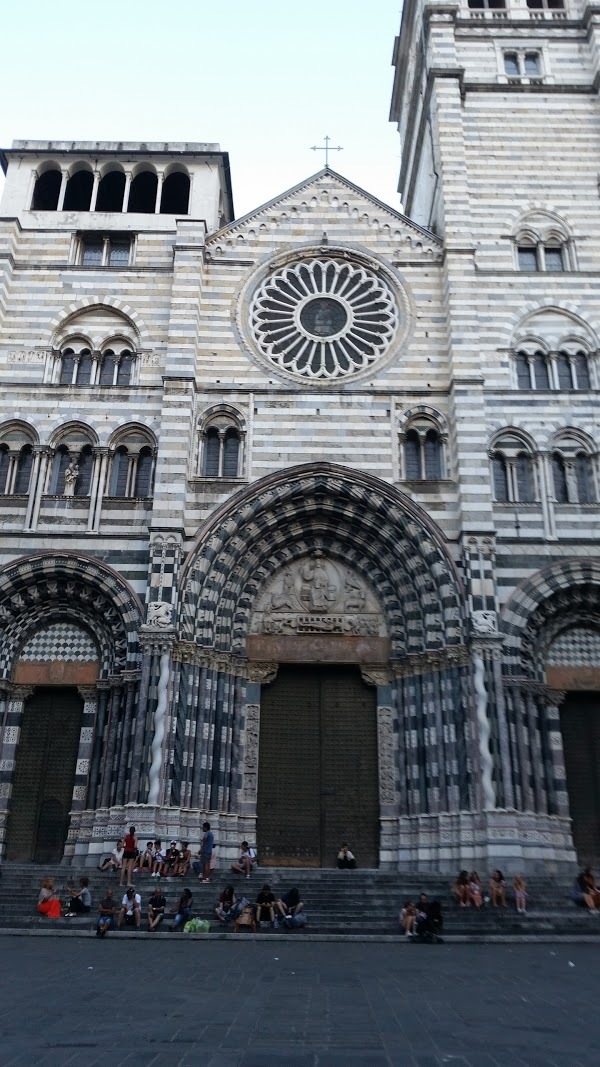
246	861
265	907
460	890
497	890
147	857
290	906
156	909
345	859
520	888
106	911
407	918
226	907
585	893
185	859
115	860
131	909
81	899
475	891
48	903
184	911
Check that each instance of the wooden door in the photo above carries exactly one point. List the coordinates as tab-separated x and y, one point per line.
580	727
318	774
44	775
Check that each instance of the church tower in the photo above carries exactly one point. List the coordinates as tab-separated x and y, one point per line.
497	108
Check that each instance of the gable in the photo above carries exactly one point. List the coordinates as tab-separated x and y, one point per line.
325	209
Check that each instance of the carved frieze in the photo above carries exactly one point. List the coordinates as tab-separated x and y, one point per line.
314	595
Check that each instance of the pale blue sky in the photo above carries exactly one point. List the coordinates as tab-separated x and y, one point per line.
264	79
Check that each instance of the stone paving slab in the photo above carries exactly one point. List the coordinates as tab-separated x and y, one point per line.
283	1004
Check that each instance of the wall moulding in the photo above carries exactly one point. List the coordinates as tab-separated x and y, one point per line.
424	662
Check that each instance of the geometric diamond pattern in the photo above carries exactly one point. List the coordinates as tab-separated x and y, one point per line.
60	641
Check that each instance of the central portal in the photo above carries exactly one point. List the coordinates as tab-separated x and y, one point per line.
318	772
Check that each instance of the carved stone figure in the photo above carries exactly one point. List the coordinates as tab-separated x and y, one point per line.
284	598
484	622
159	614
354	594
317	591
71	475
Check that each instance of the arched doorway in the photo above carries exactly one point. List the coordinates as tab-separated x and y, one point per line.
44	775
318	773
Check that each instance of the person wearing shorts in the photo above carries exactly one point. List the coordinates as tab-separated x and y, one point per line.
130	855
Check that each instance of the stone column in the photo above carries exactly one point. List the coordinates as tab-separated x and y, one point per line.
131	678
106	794
36	489
139	729
94	195
63	188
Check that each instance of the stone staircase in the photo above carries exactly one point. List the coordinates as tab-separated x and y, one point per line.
362	902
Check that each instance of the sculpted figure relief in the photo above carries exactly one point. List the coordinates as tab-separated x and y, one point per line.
159	614
317	595
71	475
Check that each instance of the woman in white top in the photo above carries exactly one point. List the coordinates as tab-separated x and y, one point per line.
114	861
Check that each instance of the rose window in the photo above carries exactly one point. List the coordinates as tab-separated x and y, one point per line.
323	319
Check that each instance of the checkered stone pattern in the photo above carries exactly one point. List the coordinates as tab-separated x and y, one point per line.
11	709
577	647
61	641
165	560
356	519
86	745
47	588
560	596
478	566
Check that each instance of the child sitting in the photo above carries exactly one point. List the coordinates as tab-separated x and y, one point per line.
147	858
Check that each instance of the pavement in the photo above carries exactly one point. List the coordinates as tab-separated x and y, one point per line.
248	1003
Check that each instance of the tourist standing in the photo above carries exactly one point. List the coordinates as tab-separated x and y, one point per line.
130	855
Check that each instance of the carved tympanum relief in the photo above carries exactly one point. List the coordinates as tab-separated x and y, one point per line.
315	595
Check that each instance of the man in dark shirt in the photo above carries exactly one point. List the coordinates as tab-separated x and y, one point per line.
107	914
156	909
265	906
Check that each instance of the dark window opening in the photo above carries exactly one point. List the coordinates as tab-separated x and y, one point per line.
511	64
107	369
527	258
433	455
231	451
67	367
523	376
142	193
79	191
175	194
119	472
125	369
84	369
92	251
47	191
582	371
585	478
84	475
553	258
211	454
23	475
61	462
500	475
4	467
524	478
540	371
412	456
111	192
118	251
565	378
143	475
559	477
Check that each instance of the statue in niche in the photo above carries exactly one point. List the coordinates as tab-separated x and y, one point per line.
71	475
354	594
285	598
317	591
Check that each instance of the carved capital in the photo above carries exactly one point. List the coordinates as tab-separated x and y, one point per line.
155	641
375	674
425	662
88	693
22	692
262	672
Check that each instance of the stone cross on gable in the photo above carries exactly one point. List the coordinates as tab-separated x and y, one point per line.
326	148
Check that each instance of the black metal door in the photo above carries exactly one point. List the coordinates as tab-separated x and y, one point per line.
580	727
44	775
318	775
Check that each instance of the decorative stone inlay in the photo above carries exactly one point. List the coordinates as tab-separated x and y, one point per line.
11	735
251	752
484	622
315	595
323	318
385	746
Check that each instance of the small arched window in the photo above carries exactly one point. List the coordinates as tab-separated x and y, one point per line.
231	453
523	375
107	368
46	191
119	472
125	370
582	371
584	477
210	468
175	194
513	471
23	471
4	468
111	191
559	478
541	374
565	378
142	193
67	367
143	474
524	478
500	473
78	195
84	475
84	367
423	452
61	461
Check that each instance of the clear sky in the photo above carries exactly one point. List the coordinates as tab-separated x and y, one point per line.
266	79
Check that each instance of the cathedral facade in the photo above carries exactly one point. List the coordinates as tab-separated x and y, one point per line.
300	511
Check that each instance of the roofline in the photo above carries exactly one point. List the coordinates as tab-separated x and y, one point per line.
346	181
6	153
